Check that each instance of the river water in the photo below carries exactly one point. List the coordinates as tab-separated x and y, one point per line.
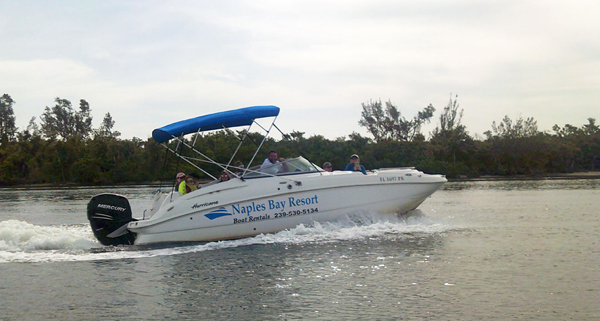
473	251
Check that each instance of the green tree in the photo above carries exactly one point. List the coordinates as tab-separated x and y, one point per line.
106	128
517	147
591	146
451	142
83	120
389	123
586	140
591	128
509	129
61	120
31	132
7	119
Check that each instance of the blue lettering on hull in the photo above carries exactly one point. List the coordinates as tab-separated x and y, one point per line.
253	211
303	201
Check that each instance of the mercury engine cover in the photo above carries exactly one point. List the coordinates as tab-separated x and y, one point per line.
109	215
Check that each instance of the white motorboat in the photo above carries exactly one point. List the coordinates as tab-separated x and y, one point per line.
254	202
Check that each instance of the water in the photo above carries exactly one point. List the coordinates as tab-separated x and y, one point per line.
473	251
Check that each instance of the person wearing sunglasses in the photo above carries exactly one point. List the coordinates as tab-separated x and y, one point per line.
224	176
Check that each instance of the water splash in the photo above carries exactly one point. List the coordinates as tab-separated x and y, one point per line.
24	242
22	236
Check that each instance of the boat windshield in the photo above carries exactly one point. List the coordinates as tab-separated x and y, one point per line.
289	166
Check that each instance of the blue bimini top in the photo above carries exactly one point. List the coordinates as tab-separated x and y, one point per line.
221	120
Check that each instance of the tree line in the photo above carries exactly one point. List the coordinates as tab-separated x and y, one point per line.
64	148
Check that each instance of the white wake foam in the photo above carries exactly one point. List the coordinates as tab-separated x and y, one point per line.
22	236
24	242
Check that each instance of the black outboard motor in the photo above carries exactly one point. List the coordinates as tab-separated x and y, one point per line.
109	215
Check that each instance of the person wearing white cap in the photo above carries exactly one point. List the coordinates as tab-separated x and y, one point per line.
181	184
355	165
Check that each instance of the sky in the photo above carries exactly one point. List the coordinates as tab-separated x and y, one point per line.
151	63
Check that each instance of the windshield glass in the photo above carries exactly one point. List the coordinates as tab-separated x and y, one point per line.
290	165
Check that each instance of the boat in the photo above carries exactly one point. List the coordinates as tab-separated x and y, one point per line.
253	201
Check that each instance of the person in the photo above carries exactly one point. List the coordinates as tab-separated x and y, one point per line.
327	167
355	165
181	183
238	169
190	184
196	179
224	176
271	165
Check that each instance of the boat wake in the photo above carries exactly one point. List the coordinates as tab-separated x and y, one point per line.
25	242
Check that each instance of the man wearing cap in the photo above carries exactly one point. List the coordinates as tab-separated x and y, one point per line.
355	165
327	167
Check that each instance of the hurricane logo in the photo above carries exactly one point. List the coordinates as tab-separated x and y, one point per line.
220	212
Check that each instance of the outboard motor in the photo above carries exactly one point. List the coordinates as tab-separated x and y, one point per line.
109	215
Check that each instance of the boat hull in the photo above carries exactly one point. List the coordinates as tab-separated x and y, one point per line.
243	208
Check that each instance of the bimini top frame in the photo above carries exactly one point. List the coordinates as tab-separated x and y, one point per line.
222	120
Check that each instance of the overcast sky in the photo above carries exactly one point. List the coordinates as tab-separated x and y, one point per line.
150	63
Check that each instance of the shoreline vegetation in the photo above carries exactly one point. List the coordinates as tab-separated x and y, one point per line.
565	176
64	150
554	176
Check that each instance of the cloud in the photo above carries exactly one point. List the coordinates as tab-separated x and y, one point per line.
34	84
152	62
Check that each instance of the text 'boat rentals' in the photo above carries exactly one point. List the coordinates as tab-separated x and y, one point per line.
253	201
